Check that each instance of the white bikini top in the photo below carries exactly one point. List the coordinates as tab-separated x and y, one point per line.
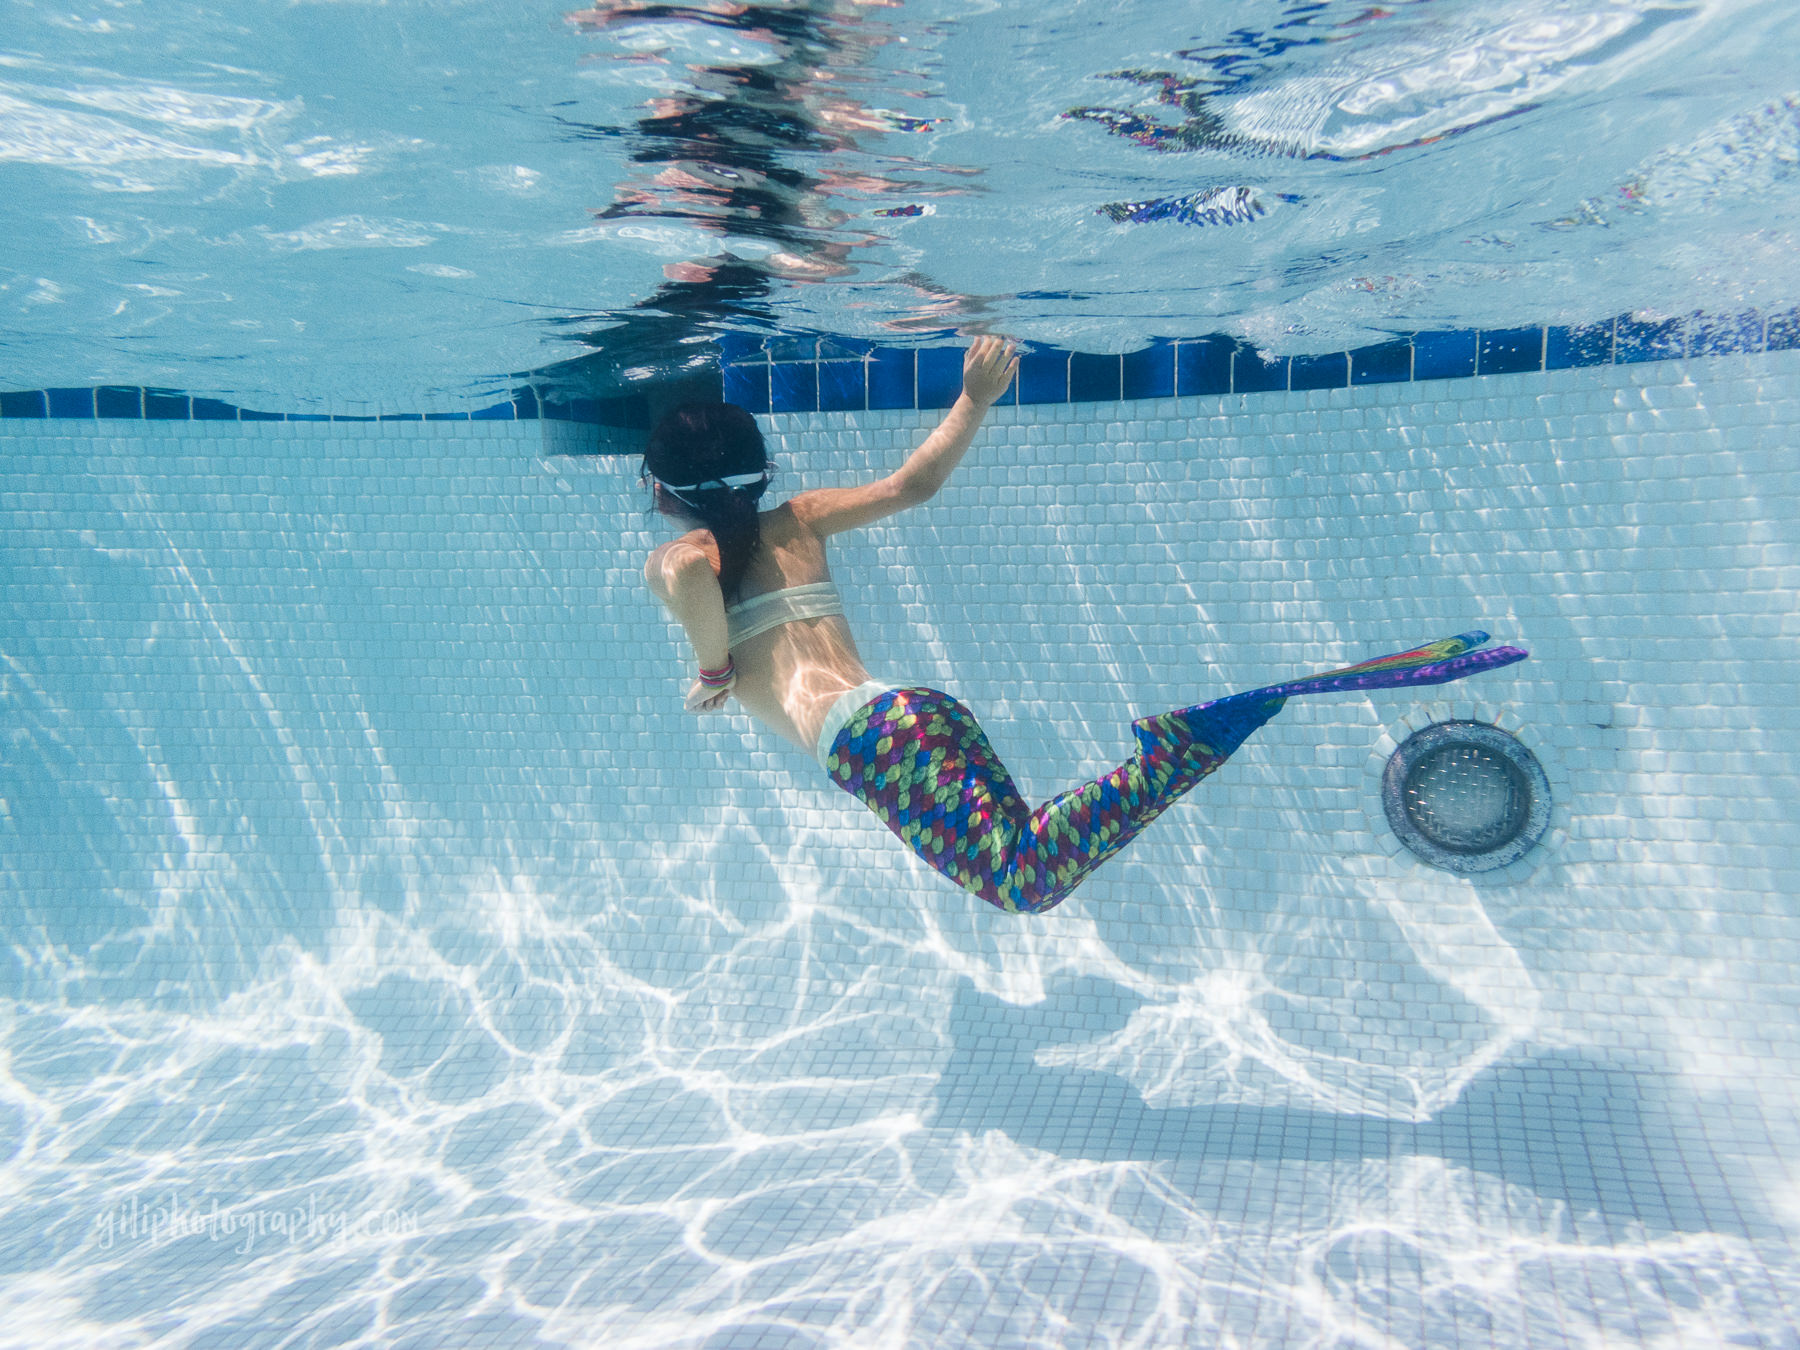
771	609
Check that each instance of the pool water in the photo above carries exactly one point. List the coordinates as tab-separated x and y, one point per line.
390	960
396	207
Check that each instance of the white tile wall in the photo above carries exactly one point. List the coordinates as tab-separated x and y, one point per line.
359	854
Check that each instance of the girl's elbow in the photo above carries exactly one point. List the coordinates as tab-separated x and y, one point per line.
911	490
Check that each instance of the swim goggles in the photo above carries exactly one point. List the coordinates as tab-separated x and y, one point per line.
729	481
735	480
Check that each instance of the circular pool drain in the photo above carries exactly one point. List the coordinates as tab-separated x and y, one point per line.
1466	797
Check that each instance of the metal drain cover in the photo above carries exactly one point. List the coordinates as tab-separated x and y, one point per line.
1466	796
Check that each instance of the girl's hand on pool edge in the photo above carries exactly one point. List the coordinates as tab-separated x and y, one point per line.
988	368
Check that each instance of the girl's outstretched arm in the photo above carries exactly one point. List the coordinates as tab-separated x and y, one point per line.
988	368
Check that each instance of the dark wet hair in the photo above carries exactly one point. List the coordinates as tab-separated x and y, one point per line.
703	442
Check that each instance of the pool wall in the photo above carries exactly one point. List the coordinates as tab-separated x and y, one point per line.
359	855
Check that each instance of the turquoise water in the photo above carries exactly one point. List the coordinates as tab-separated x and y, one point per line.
405	203
390	961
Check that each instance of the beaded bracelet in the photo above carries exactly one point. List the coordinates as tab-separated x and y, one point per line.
718	679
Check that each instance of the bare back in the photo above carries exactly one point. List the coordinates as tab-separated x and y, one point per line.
788	677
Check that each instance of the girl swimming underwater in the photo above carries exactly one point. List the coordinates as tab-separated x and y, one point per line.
767	626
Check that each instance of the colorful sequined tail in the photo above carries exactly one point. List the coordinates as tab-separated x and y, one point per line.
919	760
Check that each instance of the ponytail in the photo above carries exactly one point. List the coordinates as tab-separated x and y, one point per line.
736	526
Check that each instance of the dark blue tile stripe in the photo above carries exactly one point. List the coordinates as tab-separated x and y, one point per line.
1151	372
25	403
1331	371
794	386
1580	345
116	402
891	378
1507	351
1382	363
940	376
928	377
1649	340
801	373
748	387
71	402
1203	366
1044	377
1094	379
843	386
165	405
1253	372
134	403
1444	356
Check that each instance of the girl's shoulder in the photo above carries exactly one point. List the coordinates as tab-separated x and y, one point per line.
694	541
780	529
703	540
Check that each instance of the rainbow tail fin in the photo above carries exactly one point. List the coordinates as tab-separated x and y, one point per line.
1225	723
1440	662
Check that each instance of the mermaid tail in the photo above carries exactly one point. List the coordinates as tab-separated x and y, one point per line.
1223	724
920	761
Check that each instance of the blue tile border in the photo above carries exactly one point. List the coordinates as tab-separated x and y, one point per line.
929	377
843	386
1724	334
797	372
1508	351
748	387
1252	372
1331	371
24	403
113	401
71	402
1203	366
1446	355
794	386
892	376
1150	373
1044	376
1382	363
1582	345
1636	340
138	404
939	375
163	405
1095	379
